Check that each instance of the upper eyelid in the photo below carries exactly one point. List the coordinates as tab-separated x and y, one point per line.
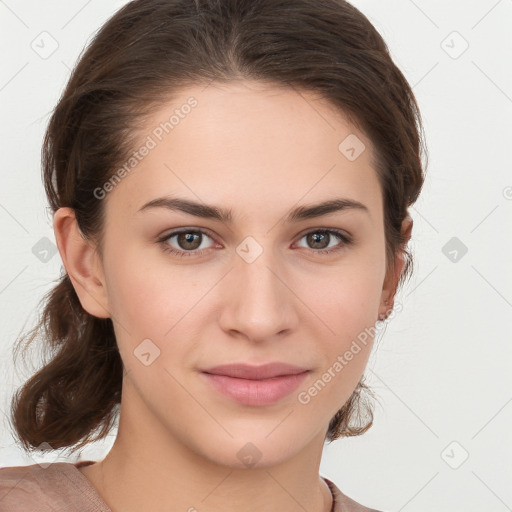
177	231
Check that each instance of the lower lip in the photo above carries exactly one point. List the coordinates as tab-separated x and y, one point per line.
256	392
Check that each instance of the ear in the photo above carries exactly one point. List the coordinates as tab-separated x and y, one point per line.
82	263
393	276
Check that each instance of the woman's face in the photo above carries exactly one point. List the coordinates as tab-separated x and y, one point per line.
254	289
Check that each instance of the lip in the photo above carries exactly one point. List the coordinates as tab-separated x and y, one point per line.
246	371
255	385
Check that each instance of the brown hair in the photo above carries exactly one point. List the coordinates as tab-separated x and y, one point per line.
133	65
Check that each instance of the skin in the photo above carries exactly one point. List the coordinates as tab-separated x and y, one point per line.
260	150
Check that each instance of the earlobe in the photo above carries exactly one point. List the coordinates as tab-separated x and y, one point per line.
391	281
81	262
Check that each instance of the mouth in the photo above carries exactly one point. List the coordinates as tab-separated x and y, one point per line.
262	372
255	385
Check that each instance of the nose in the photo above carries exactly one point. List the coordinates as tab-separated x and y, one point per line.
258	300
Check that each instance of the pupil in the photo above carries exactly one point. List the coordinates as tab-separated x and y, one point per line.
189	239
318	237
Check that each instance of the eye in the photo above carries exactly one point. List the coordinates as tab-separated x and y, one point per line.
320	239
190	242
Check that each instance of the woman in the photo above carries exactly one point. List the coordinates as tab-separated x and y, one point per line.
230	182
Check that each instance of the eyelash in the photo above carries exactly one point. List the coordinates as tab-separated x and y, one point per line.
322	252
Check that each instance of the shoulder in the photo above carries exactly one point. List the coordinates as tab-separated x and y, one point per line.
42	488
24	488
343	503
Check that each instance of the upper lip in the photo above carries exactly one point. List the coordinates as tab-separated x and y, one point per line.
265	371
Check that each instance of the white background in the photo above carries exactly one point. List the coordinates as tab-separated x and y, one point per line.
442	369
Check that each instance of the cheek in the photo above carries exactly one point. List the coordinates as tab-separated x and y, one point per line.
348	309
156	302
347	301
147	308
140	298
133	298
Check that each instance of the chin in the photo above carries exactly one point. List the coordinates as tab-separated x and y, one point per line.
254	448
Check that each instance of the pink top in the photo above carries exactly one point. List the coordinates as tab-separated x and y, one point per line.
60	486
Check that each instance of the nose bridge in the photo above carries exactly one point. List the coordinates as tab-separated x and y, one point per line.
259	303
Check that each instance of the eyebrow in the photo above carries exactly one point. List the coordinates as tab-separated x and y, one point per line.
226	215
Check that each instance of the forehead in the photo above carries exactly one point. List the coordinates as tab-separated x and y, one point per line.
249	145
